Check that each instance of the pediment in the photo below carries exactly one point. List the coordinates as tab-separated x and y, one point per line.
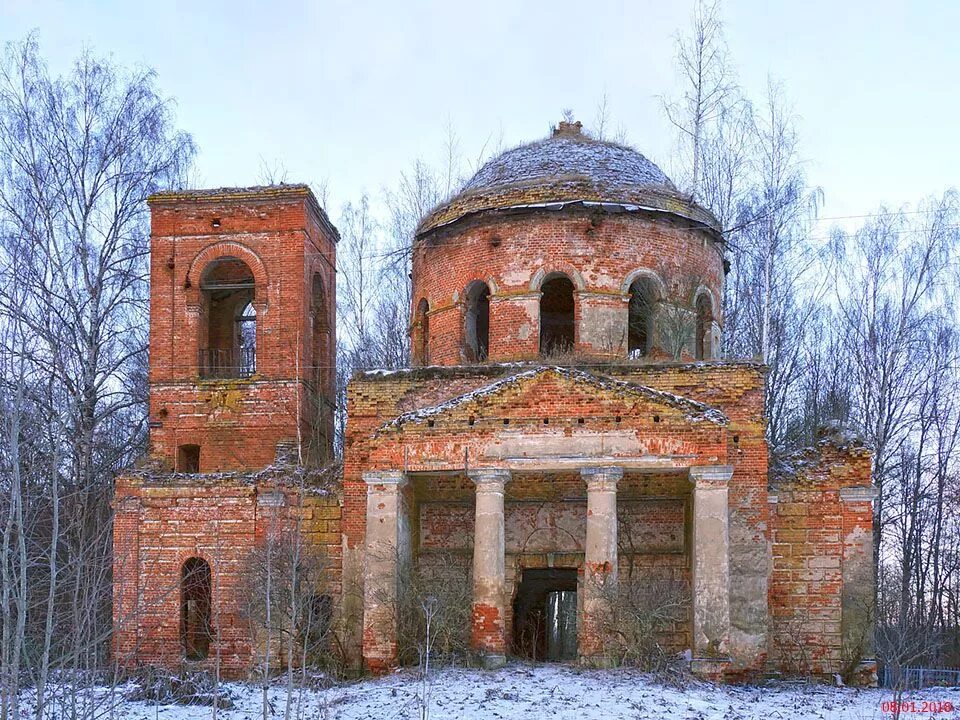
542	388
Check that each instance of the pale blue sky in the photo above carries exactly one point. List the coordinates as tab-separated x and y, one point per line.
353	91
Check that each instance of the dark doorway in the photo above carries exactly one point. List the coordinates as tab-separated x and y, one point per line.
545	615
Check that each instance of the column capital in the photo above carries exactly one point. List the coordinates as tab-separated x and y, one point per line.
384	477
858	493
601	478
489	476
711	475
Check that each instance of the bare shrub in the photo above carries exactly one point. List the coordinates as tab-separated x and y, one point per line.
645	610
289	612
445	590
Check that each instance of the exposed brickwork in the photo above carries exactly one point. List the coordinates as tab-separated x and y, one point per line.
160	523
284	238
512	254
279	238
465	434
815	534
650	471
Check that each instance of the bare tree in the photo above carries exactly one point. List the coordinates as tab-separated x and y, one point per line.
705	78
79	154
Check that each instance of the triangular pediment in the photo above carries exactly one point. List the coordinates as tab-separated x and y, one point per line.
526	388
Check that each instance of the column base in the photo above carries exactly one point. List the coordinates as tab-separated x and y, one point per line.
711	668
599	662
865	674
489	661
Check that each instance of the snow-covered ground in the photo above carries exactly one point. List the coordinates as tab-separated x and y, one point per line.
554	692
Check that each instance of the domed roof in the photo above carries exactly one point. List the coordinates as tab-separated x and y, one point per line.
566	168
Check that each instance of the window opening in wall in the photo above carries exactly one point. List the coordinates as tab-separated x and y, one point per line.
321	333
477	321
641	314
422	344
188	459
195	601
545	615
556	316
228	343
703	340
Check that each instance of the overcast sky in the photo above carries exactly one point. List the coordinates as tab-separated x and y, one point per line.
352	92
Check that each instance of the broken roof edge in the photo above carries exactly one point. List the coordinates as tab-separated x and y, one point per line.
252	193
313	480
704	411
601	368
706	222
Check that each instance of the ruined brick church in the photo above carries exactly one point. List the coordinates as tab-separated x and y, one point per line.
566	429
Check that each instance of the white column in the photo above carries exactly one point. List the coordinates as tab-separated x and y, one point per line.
385	550
711	563
488	633
600	561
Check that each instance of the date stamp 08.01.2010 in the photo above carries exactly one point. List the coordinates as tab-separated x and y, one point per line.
926	707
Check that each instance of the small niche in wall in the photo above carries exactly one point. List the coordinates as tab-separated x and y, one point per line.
188	459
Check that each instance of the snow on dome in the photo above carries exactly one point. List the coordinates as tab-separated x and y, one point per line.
570	152
568	167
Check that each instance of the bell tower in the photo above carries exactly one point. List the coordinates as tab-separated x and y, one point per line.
242	327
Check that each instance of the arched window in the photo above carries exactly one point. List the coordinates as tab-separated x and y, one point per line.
703	341
642	313
228	343
556	315
320	355
195	601
477	321
421	345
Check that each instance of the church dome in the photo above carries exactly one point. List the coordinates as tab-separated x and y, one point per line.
566	168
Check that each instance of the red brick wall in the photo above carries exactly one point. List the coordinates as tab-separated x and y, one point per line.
285	239
160	523
735	388
509	252
815	534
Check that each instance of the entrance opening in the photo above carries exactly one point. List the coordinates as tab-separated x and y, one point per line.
545	615
195	591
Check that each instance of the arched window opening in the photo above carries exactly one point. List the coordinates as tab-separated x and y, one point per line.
320	356
188	459
228	347
556	316
703	341
421	346
477	330
195	602
641	317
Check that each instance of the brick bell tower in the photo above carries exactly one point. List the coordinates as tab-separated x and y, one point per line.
242	328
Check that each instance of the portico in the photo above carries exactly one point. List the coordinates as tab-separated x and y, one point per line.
524	527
